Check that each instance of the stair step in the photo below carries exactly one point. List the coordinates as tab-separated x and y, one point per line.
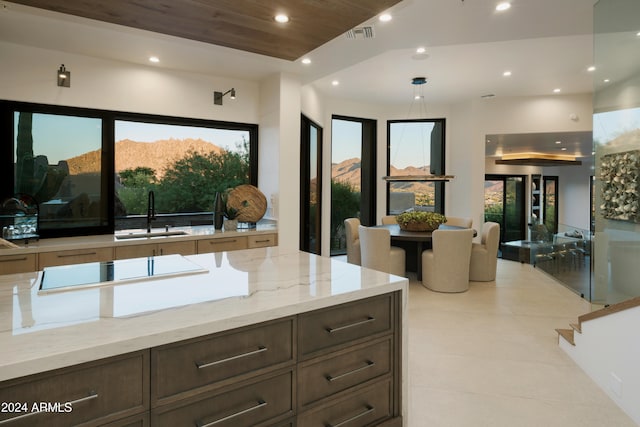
567	334
576	327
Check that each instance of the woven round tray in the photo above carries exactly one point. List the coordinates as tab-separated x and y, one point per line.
248	201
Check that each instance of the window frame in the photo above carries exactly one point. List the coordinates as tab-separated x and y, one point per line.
108	117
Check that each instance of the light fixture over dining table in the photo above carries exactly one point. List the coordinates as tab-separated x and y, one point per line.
418	97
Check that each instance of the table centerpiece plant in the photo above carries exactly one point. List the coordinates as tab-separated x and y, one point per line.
420	221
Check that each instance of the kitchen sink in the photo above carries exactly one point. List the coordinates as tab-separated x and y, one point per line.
143	234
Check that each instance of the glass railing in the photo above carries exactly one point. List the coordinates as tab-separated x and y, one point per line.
565	255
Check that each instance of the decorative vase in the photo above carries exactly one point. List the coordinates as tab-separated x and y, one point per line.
218	212
230	224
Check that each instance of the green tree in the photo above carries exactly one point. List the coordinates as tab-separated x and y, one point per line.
191	183
136	184
345	203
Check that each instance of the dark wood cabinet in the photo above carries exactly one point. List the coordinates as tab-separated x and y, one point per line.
94	393
334	366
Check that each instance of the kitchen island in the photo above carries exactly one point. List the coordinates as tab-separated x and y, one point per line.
207	346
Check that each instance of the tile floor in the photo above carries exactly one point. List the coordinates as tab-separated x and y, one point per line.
490	356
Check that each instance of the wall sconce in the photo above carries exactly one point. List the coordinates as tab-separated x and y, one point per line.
217	96
64	77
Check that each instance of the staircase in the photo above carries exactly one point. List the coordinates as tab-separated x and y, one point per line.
606	345
568	334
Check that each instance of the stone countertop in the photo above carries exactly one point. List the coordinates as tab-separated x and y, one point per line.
40	332
110	240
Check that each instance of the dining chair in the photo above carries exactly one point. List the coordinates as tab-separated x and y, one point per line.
445	267
455	221
377	252
353	240
484	255
389	219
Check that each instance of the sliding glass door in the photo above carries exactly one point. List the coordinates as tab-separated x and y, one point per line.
504	203
310	185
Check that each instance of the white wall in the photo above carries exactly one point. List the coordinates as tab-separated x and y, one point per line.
607	350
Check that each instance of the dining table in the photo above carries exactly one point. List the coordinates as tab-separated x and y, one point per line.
420	240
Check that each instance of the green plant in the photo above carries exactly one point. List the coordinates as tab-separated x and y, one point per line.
229	211
433	219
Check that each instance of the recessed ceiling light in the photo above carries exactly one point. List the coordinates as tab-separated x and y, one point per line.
154	59
306	61
564	149
421	50
507	73
606	80
638	34
591	68
556	90
416	97
385	17
281	18
558	142
335	83
503	6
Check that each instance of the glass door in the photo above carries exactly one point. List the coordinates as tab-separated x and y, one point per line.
353	173
550	203
504	203
310	185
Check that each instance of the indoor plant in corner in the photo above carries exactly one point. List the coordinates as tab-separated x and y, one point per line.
420	221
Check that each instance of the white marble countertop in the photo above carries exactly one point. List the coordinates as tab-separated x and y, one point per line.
110	240
39	332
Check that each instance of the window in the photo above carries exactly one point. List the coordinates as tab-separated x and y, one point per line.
90	171
414	148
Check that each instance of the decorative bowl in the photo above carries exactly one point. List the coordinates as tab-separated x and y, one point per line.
420	221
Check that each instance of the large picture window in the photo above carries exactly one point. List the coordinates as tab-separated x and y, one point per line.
90	171
415	148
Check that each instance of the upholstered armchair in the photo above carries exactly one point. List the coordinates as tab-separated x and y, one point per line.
484	255
389	219
445	267
353	240
455	221
377	252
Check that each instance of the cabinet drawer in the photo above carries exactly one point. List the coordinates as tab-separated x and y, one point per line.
186	247
366	407
330	375
19	263
135	251
261	241
322	329
99	392
222	244
251	404
141	420
77	256
204	361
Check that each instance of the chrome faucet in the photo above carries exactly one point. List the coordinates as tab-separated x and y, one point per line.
151	210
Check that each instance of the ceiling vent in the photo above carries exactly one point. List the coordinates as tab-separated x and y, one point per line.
365	32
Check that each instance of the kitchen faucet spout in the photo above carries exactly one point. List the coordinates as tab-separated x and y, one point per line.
151	209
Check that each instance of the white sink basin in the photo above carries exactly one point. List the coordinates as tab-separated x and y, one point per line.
143	234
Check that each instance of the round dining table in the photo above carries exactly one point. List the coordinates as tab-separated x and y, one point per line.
421	238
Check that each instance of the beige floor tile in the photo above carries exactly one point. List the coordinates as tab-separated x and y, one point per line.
490	356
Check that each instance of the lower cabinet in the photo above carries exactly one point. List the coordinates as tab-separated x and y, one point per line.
10	264
347	374
76	256
95	393
186	247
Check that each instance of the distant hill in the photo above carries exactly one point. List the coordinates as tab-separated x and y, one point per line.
349	171
131	154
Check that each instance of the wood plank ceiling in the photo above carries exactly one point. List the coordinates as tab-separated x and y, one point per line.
240	24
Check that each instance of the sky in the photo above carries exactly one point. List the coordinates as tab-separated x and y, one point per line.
62	137
608	125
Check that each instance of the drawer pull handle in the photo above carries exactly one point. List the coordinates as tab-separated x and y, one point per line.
71	255
220	242
202	365
351	325
263	241
261	403
369	409
369	364
24	258
92	395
